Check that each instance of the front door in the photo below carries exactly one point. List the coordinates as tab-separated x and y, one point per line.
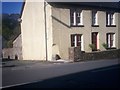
94	40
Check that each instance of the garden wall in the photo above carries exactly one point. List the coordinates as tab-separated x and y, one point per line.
76	55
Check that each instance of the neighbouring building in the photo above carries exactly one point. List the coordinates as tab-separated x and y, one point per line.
52	28
15	52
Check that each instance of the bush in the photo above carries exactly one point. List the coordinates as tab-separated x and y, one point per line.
92	46
105	45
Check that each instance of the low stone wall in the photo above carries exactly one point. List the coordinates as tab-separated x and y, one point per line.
109	54
12	53
76	55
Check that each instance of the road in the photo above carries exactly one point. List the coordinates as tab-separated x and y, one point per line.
102	73
98	78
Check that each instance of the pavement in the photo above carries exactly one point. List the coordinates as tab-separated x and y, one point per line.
17	63
23	72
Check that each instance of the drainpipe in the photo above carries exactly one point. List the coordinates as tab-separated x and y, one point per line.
45	31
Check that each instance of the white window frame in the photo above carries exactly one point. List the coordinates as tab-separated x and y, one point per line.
95	17
75	14
82	43
81	17
75	41
113	19
74	18
109	41
110	18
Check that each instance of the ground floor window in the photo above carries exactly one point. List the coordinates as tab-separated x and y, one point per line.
76	40
110	40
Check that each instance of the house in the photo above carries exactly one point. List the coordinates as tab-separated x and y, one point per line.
15	52
50	28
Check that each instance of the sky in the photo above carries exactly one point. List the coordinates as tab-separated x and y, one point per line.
11	7
8	6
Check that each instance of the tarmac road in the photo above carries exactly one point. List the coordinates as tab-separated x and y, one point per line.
107	77
52	72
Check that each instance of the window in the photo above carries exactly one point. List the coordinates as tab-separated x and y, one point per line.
76	17
76	40
94	18
110	19
111	40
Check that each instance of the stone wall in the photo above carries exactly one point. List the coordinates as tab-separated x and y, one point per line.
109	54
76	55
12	53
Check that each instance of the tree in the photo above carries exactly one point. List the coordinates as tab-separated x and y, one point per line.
10	29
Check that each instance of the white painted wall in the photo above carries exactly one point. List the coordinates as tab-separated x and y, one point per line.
33	31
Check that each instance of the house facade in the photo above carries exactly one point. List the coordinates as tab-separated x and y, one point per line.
15	52
50	29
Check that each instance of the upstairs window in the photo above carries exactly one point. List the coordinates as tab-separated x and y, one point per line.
110	19
76	17
94	18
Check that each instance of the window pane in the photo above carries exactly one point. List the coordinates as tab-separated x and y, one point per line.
72	40
112	18
108	19
79	40
78	18
94	17
73	17
111	40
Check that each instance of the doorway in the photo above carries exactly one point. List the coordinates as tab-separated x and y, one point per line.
95	41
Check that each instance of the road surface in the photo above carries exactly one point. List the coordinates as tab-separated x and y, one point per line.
108	77
37	73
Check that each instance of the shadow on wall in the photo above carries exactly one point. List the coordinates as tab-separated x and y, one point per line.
60	22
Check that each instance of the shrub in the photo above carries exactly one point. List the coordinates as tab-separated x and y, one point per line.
92	46
105	45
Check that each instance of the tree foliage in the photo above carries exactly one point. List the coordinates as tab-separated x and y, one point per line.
10	29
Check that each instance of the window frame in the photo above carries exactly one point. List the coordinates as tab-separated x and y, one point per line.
94	16
110	40
76	40
110	19
74	18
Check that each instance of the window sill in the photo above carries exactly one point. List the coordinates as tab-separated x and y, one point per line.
111	48
77	25
110	25
95	25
